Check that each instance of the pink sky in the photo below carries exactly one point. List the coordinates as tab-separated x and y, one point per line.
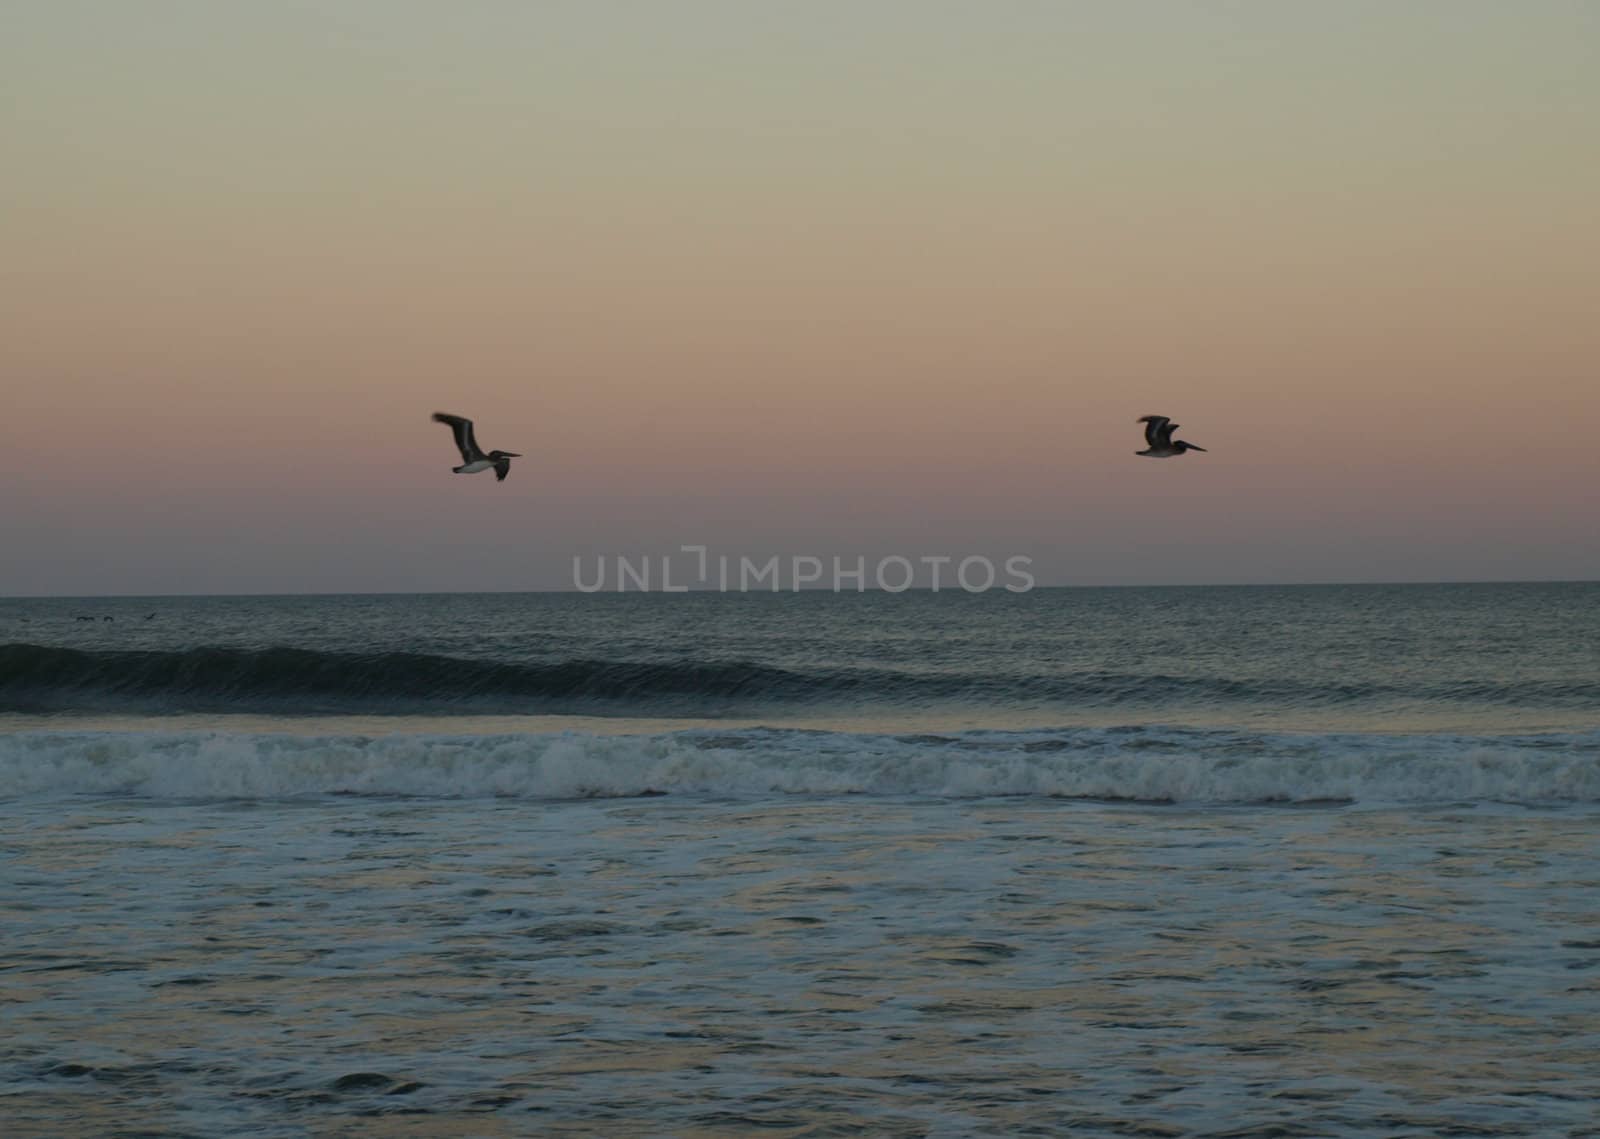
828	278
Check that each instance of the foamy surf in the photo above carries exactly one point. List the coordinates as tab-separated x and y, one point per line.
1133	764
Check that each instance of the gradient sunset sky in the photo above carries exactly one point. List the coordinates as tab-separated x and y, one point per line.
823	277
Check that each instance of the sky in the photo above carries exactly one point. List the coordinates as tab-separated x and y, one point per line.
840	278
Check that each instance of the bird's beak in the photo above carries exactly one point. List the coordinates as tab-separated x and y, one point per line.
1192	447
512	455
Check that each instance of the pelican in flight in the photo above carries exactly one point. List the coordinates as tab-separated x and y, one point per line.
473	457
1158	438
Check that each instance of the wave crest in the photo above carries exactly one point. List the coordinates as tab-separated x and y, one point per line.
38	679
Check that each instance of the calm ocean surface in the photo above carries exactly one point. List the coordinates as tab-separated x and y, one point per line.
1254	861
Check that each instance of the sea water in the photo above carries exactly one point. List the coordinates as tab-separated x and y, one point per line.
1232	861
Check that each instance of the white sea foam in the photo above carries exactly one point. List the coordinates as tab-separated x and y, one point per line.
1134	764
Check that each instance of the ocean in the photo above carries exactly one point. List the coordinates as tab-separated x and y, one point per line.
1224	861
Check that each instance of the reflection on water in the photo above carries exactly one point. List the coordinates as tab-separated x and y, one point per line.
812	966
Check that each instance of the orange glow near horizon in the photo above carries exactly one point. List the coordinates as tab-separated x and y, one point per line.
831	278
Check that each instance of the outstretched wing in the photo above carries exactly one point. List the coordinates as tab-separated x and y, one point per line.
502	468
1157	430
466	442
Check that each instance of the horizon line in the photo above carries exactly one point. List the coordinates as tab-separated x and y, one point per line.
782	592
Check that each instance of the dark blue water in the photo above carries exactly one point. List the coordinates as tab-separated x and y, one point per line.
1498	657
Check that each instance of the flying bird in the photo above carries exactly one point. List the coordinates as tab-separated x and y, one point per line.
1158	438
473	457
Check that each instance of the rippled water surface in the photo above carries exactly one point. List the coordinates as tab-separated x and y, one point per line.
828	966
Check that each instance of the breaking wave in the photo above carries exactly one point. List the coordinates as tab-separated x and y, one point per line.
1131	764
